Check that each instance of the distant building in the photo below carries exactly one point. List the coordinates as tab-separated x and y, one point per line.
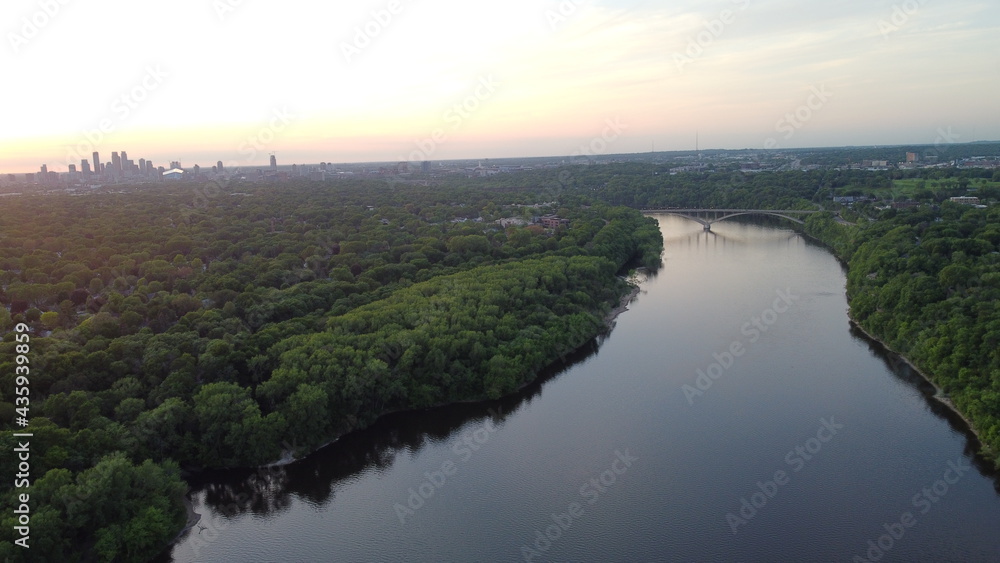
274	163
965	200
173	174
97	163
220	166
512	222
912	157
553	222
85	166
850	199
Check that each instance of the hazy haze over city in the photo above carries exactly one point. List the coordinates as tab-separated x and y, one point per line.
228	80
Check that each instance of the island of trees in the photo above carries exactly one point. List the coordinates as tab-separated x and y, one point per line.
266	321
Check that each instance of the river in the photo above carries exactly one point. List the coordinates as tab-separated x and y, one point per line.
733	414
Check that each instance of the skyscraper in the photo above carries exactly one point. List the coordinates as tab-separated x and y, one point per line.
116	164
274	163
97	163
85	166
220	166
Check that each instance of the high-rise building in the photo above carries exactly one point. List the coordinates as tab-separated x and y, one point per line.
175	164
124	160
142	166
45	169
85	166
116	164
97	163
72	168
220	166
274	162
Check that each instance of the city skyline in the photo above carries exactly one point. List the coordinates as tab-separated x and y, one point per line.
383	81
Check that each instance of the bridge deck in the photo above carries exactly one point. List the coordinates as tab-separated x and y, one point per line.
708	210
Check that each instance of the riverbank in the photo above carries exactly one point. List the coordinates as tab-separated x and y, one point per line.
288	457
939	393
608	322
623	303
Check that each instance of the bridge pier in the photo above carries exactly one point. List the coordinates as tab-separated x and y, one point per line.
708	226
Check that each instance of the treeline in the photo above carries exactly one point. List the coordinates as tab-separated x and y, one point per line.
166	335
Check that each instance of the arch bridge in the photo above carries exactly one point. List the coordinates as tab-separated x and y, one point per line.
708	216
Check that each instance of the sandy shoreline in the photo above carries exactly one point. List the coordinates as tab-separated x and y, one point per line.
609	319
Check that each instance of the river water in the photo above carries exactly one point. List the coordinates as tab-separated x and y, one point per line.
731	415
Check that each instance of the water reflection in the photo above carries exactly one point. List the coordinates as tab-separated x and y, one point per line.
903	371
268	491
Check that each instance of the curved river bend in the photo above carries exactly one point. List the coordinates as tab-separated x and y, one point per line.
801	441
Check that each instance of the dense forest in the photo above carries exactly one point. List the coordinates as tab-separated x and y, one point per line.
926	282
170	331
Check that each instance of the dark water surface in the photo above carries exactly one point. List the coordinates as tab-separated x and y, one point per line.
830	442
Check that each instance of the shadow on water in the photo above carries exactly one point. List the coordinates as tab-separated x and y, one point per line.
267	491
903	371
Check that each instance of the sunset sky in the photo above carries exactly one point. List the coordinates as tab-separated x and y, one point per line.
233	80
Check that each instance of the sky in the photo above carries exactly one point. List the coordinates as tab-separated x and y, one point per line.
199	81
